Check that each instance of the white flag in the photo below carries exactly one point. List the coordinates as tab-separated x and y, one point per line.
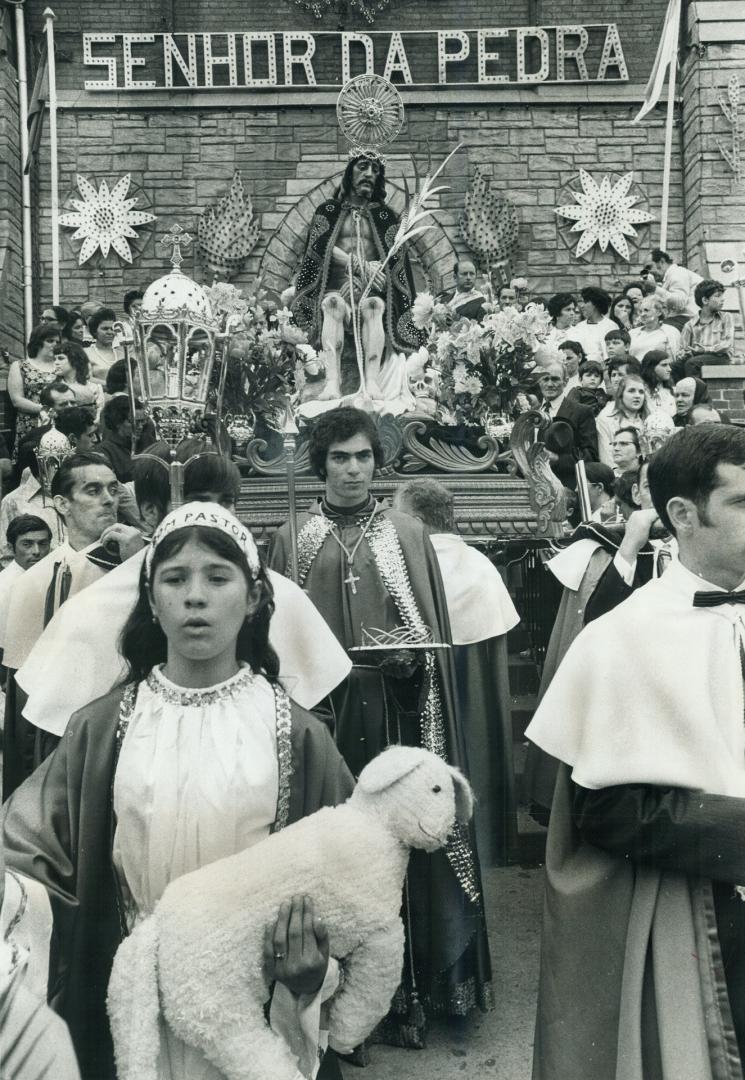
667	54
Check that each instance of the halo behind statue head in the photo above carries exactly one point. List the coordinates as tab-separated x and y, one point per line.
370	114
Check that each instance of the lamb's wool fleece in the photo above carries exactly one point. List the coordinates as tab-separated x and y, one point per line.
200	953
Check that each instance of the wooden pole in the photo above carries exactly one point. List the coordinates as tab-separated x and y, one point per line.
668	149
49	18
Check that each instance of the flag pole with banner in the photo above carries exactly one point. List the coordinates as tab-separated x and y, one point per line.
667	57
49	18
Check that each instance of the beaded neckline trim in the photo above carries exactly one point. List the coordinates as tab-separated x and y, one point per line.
177	695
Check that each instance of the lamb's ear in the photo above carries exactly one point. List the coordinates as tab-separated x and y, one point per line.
463	796
390	766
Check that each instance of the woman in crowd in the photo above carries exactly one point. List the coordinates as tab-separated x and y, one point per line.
55	313
563	311
634	291
629	408
74	368
198	756
27	378
622	312
657	370
688	392
75	328
652	333
102	353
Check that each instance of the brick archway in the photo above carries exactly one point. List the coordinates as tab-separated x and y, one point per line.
433	251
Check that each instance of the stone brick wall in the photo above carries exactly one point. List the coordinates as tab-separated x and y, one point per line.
185	162
531	141
726	383
11	297
714	200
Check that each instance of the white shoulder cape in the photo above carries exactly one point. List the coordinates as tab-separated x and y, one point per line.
25	621
652	693
479	605
77	658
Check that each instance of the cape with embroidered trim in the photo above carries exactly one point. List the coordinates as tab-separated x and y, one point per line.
397	584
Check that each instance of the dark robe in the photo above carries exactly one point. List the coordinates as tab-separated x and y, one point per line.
59	829
312	282
634	984
398	583
482	682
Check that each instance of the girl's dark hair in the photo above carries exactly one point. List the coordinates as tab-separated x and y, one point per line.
143	643
649	363
39	335
79	361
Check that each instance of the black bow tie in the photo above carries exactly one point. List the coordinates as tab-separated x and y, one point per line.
714	599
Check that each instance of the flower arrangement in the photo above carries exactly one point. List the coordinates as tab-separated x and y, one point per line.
483	368
263	350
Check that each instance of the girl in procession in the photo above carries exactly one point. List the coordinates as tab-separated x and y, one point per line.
198	755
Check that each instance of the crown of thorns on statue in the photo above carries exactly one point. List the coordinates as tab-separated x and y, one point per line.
356	153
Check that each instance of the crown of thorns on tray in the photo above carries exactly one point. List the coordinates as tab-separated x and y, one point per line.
401	637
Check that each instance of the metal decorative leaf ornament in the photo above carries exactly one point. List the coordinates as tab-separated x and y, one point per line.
489	223
228	232
370	112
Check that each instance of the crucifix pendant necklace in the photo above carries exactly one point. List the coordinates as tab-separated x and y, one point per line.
351	579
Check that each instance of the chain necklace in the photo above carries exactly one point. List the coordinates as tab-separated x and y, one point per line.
351	579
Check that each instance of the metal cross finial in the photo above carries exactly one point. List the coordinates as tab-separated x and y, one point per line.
175	239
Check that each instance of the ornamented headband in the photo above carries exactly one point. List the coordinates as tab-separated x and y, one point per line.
206	516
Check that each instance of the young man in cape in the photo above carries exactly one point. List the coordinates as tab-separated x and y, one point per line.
643	961
77	659
367	567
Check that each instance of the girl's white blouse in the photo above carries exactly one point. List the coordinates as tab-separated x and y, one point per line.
197	780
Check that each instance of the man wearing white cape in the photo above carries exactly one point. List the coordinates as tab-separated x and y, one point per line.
643	961
77	658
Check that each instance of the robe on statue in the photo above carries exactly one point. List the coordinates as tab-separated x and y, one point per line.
394	582
643	957
59	829
313	275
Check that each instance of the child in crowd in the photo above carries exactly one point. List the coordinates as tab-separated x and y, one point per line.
591	388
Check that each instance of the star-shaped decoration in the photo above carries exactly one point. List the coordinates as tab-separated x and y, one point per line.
104	219
604	214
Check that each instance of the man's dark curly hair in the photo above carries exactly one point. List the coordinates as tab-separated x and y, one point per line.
345	188
338	425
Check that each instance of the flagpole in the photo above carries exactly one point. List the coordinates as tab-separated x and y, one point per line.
49	18
28	279
668	150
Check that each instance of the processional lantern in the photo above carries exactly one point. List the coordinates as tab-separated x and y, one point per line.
175	336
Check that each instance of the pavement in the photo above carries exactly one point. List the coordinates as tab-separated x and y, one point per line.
496	1045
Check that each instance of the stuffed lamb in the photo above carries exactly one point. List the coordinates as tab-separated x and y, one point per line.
198	957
